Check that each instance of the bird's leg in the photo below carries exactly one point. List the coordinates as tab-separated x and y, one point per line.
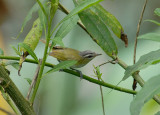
80	73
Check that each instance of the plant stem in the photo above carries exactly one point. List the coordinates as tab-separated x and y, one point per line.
8	85
45	51
102	98
76	74
138	29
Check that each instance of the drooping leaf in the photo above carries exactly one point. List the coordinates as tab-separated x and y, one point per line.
144	61
28	80
61	65
1	52
29	16
108	19
150	36
153	21
14	64
150	88
98	30
15	50
29	50
34	35
157	11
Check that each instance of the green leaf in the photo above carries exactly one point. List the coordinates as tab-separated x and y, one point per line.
67	26
98	30
84	5
1	52
157	11
61	65
57	40
108	19
150	36
34	35
28	17
150	88
64	29
144	61
29	50
15	50
28	80
53	9
153	21
15	64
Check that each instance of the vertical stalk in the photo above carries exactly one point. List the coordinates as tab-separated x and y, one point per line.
53	9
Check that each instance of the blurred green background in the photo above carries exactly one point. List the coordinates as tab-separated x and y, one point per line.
64	94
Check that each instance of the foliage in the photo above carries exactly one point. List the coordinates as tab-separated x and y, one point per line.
102	26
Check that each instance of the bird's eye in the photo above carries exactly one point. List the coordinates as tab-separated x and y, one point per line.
89	56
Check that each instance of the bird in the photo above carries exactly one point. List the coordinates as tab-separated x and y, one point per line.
66	54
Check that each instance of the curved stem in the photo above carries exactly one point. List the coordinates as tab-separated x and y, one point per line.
76	74
138	29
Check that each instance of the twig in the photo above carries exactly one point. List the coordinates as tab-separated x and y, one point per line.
112	62
77	74
138	29
102	98
34	79
5	111
135	45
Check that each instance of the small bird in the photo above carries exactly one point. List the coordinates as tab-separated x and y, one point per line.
66	54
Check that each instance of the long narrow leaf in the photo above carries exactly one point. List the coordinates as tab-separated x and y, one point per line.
29	50
28	17
61	65
15	50
153	21
108	19
150	36
150	88
144	61
64	29
84	5
98	30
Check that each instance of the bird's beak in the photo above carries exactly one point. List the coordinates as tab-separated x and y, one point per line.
98	54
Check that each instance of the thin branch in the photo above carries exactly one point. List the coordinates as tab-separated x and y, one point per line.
138	29
102	98
76	74
34	79
135	45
